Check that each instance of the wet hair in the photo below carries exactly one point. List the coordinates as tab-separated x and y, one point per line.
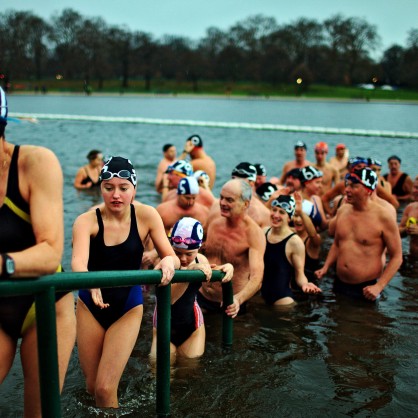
246	191
166	147
394	157
93	154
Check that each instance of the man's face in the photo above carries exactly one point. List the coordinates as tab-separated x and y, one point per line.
230	202
300	153
355	192
340	152
186	201
293	183
171	153
174	178
320	155
394	166
415	190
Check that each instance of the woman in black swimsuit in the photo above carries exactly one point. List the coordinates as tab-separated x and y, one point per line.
88	175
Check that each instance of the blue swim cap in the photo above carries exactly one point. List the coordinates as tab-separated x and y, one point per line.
188	185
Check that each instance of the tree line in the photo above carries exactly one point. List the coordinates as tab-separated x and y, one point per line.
336	51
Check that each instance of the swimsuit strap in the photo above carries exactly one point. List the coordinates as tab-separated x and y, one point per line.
268	230
99	221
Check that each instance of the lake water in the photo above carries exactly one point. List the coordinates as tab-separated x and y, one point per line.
325	357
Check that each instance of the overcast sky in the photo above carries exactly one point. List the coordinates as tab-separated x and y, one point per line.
191	18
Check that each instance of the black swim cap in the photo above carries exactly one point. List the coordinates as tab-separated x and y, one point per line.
309	173
265	191
286	202
261	169
245	171
196	140
118	167
366	176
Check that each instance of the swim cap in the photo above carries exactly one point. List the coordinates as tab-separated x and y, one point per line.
265	191
181	167
261	169
309	173
340	146
372	161
118	167
245	171
411	221
200	173
366	176
300	144
294	172
196	140
187	233
3	107
287	203
321	146
394	157
188	185
352	162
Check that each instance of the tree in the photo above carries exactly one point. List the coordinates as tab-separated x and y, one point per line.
351	40
392	64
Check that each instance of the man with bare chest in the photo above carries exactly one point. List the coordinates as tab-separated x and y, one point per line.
363	230
235	237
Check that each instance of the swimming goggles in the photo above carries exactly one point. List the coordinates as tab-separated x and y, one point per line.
122	174
188	241
284	205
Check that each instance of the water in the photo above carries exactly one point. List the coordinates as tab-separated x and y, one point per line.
326	356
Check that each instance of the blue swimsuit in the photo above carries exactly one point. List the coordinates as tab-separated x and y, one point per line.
278	272
124	256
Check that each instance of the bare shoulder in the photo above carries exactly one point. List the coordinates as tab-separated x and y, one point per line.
86	218
145	212
202	259
254	231
33	158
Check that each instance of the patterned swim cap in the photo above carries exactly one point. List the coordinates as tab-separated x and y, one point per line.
245	171
286	202
309	173
187	233
182	167
366	176
188	185
3	107
118	167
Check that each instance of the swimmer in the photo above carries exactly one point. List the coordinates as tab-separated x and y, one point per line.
31	245
363	230
330	174
169	157
408	225
193	149
401	182
300	160
88	175
187	325
284	257
112	238
340	161
234	238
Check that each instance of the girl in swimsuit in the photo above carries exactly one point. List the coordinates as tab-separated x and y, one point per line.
187	327
112	238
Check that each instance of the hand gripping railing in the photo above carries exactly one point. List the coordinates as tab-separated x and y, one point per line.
44	289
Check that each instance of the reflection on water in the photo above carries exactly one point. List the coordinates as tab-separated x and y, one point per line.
325	357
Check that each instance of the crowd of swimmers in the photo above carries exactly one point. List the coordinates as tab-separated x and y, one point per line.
265	235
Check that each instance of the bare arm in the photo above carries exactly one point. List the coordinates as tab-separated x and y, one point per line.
43	189
331	195
381	192
257	243
393	244
79	177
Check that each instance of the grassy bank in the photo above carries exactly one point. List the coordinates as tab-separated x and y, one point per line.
240	89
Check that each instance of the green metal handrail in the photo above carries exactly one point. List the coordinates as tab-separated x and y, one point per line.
44	289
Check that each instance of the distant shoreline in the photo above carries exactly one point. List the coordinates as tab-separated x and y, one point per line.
219	96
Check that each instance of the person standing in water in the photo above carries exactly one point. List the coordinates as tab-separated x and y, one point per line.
31	245
88	175
112	238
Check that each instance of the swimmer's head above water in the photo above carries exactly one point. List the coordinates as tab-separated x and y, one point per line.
187	233
118	167
366	177
285	202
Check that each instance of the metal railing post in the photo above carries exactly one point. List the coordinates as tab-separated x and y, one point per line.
48	353
163	350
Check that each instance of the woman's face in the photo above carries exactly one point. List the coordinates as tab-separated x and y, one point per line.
117	193
185	256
